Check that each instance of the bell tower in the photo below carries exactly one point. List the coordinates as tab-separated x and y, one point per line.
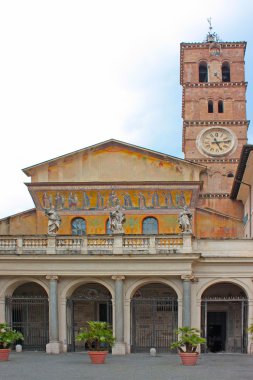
214	111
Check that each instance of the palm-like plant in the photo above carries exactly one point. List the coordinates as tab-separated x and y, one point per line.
98	336
189	339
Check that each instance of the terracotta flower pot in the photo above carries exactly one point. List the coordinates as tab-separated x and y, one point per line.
4	354
97	357
189	358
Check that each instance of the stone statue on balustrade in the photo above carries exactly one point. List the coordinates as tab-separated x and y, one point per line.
117	219
185	220
54	221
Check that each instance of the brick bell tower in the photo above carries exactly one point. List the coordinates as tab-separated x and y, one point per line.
214	115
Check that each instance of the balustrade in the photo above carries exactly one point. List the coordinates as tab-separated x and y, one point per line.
92	243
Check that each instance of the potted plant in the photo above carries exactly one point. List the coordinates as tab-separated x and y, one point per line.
99	338
7	337
188	340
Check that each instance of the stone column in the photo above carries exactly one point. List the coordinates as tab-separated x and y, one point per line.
53	347
186	299
250	321
2	309
119	347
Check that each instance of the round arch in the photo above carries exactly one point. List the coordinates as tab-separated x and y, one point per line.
12	285
145	281
69	289
204	287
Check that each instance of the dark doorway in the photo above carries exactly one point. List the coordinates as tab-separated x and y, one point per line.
216	331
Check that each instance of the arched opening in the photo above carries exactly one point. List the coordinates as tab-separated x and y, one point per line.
203	72
220	106
150	226
89	302
27	312
78	226
108	227
154	318
210	106
225	72
224	318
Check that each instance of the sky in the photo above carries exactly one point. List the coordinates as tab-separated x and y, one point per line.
76	73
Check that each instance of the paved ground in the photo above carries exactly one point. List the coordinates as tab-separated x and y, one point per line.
76	366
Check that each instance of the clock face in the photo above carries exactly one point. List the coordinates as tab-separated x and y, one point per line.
216	141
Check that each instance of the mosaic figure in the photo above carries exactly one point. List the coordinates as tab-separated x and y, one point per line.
180	199
155	200
72	201
59	201
100	201
127	201
185	220
168	199
117	219
86	200
54	221
46	201
142	201
113	200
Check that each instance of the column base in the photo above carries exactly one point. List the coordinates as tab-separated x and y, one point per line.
119	349
54	348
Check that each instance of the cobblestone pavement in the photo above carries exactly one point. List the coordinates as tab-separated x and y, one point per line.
76	366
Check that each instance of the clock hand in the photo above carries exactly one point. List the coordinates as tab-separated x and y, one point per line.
221	141
217	142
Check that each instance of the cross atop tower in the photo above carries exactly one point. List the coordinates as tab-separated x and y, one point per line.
211	36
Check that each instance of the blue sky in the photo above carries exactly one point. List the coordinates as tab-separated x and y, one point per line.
75	73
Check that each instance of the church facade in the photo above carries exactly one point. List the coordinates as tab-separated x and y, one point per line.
143	240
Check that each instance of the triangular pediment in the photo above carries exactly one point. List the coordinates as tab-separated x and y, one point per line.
114	161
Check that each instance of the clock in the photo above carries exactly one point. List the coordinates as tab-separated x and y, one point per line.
216	141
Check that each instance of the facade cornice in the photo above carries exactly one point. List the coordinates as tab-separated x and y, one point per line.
118	183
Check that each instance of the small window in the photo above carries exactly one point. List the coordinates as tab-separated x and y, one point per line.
225	72
150	226
210	106
220	106
78	226
203	74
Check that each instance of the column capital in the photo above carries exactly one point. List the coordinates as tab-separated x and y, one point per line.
52	277
189	277
118	277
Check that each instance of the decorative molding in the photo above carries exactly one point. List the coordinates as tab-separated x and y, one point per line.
118	277
188	277
211	123
214	195
215	84
52	277
217	160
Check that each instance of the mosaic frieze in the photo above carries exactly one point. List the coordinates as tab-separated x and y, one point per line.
132	199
